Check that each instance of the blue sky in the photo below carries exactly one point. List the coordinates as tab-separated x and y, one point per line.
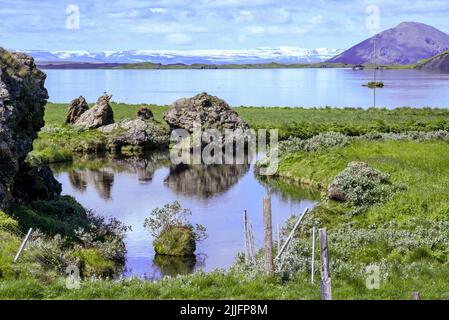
204	24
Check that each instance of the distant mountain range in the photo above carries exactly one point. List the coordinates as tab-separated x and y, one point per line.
260	55
407	43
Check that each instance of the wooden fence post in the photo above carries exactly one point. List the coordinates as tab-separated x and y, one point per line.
416	296
268	230
326	293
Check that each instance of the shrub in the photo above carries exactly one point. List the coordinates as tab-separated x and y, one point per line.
173	233
361	186
318	143
176	241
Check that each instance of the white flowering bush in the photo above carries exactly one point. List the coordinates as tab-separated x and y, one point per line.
390	246
361	186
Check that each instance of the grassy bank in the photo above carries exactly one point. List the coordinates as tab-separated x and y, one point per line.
302	122
422	166
58	142
405	235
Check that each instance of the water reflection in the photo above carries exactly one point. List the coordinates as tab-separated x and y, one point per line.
100	172
204	181
130	188
173	266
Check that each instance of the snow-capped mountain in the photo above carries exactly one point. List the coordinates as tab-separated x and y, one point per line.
259	55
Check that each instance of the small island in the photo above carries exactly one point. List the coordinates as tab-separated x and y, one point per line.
374	84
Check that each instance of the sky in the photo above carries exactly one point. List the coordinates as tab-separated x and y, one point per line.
112	25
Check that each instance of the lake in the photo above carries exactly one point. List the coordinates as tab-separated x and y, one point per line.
255	87
130	188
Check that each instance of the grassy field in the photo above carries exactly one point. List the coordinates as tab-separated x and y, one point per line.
422	166
58	142
406	235
303	122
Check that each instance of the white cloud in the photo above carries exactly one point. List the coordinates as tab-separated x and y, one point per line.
158	10
274	30
244	16
166	28
178	38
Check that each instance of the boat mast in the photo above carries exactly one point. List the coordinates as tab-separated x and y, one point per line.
375	69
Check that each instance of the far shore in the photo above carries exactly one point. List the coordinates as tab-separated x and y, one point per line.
181	66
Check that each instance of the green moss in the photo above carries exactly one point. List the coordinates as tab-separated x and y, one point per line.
176	241
93	263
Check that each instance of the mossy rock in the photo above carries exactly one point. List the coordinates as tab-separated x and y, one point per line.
93	264
176	241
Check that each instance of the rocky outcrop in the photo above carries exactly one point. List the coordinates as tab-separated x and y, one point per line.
75	109
100	115
144	134
36	182
145	114
22	101
209	111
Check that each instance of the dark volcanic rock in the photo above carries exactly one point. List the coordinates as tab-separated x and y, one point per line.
76	108
100	115
145	134
145	114
36	182
209	111
407	43
22	101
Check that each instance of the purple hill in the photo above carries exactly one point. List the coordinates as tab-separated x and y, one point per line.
407	43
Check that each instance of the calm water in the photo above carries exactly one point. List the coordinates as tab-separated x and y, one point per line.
130	188
263	87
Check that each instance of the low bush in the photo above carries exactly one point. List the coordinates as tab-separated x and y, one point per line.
173	233
361	187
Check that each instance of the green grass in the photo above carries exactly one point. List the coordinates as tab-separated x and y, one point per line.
217	285
55	113
58	142
422	166
303	122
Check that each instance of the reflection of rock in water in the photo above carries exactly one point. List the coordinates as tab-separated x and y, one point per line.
77	180
143	167
172	266
102	180
99	172
204	181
